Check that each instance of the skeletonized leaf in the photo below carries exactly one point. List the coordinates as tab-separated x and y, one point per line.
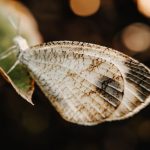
87	83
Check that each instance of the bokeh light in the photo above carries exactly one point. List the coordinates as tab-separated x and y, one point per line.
144	7
136	37
85	7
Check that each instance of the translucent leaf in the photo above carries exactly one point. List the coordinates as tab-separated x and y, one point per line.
19	77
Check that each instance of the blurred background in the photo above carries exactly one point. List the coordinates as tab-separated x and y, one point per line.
121	24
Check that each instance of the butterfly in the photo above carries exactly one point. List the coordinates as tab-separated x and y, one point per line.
87	84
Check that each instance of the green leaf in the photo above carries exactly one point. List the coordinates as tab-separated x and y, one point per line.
19	77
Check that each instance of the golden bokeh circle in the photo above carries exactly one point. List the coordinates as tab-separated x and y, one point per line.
85	7
144	7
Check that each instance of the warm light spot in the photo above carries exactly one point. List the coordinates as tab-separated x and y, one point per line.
84	7
136	37
144	7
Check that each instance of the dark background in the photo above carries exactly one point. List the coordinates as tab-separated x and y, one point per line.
23	126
